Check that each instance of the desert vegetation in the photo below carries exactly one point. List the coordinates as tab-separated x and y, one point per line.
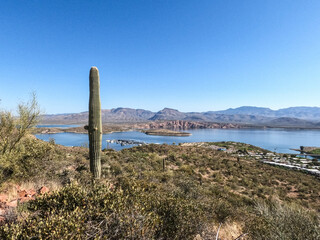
150	192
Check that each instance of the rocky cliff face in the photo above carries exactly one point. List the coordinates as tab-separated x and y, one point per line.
183	125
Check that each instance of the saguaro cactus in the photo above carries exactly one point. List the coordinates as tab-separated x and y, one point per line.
95	125
163	164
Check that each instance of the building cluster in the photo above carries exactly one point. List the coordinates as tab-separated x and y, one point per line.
311	166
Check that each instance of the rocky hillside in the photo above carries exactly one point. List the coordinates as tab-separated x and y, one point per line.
168	114
183	125
287	122
290	117
310	113
108	115
156	192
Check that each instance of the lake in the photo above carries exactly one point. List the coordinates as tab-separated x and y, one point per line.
279	140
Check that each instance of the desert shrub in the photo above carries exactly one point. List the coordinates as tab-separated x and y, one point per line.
116	169
187	169
79	213
131	210
27	160
283	221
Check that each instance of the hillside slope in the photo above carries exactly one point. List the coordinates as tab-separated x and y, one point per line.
167	192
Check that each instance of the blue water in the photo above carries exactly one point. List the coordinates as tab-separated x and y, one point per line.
279	140
58	126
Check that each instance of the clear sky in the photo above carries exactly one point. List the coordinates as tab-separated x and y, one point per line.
191	55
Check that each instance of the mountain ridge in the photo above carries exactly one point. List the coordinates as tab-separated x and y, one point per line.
293	116
303	112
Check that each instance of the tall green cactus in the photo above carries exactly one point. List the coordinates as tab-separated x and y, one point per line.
95	124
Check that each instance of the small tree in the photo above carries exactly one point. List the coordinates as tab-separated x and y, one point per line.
20	155
13	129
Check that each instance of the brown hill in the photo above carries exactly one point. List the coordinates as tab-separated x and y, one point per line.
129	115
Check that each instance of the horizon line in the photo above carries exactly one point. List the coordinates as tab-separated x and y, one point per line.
182	111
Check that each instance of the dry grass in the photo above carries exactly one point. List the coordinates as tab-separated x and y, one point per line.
230	230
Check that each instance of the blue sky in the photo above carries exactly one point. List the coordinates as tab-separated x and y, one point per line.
188	55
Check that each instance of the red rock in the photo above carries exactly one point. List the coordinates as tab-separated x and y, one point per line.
43	190
25	199
2	212
3	197
12	203
2	219
31	193
22	193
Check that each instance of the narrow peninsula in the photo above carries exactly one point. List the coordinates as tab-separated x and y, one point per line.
166	132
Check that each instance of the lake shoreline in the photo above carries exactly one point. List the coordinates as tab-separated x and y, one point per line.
277	140
158	125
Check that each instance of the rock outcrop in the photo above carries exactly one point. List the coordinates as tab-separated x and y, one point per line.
183	125
23	195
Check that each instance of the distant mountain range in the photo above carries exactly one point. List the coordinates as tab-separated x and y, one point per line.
307	113
290	117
